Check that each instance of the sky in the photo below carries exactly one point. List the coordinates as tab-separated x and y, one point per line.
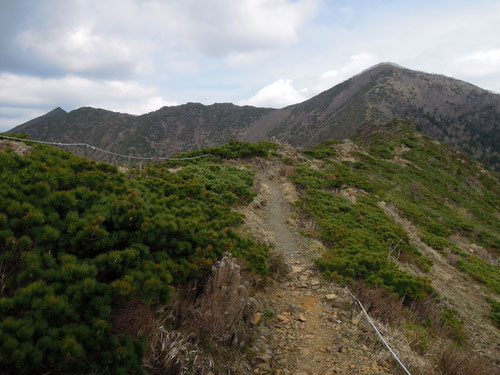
135	56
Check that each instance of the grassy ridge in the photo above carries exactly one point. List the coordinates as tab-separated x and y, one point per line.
75	236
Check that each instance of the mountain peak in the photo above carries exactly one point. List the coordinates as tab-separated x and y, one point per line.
382	66
57	110
447	109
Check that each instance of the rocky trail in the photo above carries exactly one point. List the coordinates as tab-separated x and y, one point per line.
311	326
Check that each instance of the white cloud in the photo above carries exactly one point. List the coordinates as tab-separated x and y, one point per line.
354	65
282	92
128	38
81	49
242	59
276	95
225	26
480	63
491	56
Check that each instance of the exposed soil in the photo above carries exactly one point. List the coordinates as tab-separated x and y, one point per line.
313	326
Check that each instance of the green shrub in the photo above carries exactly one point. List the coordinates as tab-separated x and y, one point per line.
383	150
76	236
495	311
480	270
236	150
359	236
322	151
436	242
454	325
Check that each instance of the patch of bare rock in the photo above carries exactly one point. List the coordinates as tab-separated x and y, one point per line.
316	329
19	148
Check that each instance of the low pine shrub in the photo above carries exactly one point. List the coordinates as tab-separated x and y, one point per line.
82	247
321	151
359	236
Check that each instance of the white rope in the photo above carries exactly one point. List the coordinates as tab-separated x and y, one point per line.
104	151
378	332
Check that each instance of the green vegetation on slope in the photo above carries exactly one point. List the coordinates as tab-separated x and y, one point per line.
447	195
359	236
442	191
235	149
76	236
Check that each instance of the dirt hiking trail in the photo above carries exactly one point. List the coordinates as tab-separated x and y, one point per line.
313	326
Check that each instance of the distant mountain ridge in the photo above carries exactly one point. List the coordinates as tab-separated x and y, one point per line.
447	109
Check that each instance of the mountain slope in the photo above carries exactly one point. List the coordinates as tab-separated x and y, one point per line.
450	110
447	109
410	215
164	132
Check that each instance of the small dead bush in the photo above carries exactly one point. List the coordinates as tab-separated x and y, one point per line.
203	321
379	303
448	360
278	266
426	310
452	259
217	308
286	171
442	321
309	225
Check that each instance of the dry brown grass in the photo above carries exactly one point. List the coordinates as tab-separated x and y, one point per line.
187	340
174	342
170	350
380	304
452	259
286	171
19	148
176	352
448	360
435	346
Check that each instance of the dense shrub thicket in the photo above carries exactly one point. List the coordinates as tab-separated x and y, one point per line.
76	235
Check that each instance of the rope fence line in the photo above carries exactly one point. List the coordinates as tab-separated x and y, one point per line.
95	148
378	332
